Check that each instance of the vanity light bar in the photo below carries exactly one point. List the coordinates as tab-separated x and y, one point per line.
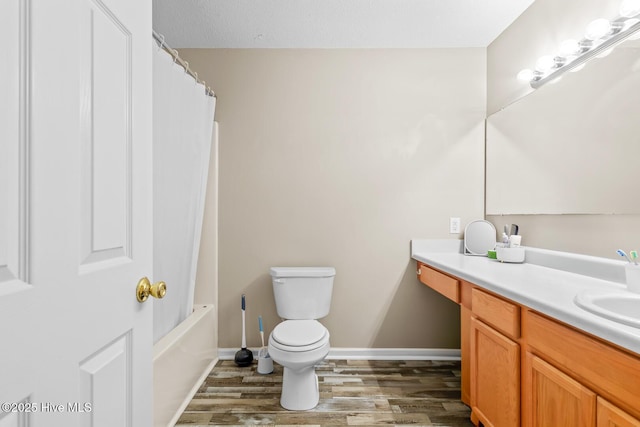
590	46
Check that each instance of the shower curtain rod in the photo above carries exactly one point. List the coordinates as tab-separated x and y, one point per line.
184	64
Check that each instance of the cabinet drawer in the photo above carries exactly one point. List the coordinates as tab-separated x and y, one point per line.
502	315
439	282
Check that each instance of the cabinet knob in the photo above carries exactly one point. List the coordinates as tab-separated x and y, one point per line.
419	272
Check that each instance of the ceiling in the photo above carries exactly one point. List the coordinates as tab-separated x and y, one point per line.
333	23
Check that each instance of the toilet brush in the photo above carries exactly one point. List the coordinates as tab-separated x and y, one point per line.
244	356
263	351
265	364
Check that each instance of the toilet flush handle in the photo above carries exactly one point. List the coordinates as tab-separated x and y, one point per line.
278	281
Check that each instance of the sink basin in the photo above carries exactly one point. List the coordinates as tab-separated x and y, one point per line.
619	306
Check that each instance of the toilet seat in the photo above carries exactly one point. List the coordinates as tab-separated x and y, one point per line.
299	335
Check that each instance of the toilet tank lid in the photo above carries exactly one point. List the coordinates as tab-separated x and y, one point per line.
302	271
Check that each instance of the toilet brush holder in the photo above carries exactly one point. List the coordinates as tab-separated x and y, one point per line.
265	364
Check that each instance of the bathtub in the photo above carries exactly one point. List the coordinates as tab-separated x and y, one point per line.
181	361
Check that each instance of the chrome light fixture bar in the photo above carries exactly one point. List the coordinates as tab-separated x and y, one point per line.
602	36
562	67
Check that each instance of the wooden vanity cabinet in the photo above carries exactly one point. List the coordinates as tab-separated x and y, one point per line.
520	367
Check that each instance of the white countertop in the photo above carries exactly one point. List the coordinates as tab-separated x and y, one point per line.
541	286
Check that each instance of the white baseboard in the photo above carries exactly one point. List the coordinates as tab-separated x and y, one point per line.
394	353
370	353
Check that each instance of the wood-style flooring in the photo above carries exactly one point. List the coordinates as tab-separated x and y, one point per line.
352	392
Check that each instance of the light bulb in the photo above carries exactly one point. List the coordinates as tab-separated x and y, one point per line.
525	75
629	8
569	48
597	29
545	63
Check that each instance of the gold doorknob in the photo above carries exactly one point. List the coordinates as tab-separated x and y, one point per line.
145	288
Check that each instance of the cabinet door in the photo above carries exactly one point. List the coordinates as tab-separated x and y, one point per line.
495	377
555	399
611	416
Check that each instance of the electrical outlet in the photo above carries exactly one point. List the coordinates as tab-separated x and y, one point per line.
454	225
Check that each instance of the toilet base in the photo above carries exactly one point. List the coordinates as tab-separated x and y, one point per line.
300	389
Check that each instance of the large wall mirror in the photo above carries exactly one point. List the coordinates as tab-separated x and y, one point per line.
571	146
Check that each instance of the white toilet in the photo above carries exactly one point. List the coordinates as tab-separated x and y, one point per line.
302	294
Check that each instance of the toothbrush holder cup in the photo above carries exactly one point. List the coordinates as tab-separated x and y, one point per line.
632	273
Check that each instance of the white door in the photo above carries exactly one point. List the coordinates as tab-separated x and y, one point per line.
75	213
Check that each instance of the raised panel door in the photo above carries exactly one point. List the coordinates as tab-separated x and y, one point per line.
495	377
75	213
609	415
555	399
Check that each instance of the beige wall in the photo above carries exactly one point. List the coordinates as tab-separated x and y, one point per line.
340	158
538	31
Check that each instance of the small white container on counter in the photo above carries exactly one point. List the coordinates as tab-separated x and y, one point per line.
510	254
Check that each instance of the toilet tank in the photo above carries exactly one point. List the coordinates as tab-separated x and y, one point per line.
302	292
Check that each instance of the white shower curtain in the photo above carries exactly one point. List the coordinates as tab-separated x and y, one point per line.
182	130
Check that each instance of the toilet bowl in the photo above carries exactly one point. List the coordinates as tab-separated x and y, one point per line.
302	295
298	345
